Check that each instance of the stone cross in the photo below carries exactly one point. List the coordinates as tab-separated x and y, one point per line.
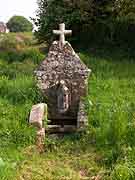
62	32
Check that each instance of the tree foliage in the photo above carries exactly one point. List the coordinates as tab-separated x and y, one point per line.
89	19
19	24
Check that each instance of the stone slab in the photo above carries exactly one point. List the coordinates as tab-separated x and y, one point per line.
37	115
59	129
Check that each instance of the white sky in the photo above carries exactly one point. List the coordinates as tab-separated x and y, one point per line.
25	8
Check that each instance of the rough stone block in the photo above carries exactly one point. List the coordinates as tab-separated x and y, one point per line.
37	115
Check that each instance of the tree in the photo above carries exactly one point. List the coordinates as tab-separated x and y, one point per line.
79	15
19	24
90	20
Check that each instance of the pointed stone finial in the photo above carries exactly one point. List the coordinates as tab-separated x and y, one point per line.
62	32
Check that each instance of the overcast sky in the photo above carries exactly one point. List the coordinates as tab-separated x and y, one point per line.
8	8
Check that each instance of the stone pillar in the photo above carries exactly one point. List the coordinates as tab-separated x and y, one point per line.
37	116
40	138
82	119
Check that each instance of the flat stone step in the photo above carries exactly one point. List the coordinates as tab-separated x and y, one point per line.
64	121
61	129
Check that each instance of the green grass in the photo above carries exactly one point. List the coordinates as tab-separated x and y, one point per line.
105	151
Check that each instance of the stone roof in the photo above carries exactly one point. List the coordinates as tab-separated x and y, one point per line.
61	63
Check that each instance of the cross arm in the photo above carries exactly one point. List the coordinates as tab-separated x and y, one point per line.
68	32
57	32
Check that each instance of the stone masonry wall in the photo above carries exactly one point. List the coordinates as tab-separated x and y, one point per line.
62	63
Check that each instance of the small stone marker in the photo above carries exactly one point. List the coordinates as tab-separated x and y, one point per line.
37	115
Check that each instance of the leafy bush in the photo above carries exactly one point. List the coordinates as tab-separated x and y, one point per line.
33	54
16	47
18	91
9	42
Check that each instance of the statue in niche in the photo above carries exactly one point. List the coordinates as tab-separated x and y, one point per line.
63	97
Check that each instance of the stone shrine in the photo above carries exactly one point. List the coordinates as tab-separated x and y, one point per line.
63	79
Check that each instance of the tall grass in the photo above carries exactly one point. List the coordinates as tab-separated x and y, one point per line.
111	118
106	149
17	95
